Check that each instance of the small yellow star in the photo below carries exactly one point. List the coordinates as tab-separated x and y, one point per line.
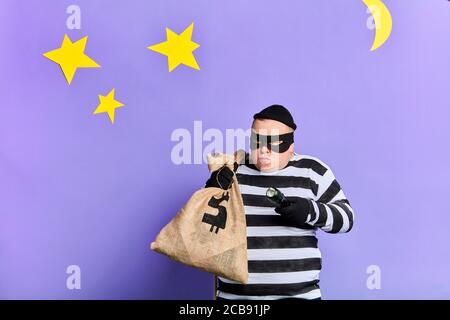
108	104
70	56
178	48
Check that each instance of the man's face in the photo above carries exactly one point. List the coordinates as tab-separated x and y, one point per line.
262	156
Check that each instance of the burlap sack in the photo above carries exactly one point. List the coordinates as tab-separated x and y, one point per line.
209	232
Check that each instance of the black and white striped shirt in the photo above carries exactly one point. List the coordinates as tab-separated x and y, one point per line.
284	261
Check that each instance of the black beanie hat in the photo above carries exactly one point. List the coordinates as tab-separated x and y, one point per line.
278	113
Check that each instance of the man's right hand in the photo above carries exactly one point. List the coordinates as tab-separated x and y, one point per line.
222	178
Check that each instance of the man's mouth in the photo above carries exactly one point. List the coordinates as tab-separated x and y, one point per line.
264	160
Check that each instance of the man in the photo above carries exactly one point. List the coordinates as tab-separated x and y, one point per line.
284	260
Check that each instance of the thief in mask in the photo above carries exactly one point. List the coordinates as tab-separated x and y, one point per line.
284	260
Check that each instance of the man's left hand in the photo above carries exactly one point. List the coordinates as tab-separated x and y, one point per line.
296	213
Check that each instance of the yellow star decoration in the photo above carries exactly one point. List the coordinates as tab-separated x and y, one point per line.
70	56
108	104
178	48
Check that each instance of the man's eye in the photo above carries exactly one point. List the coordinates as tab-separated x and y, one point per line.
276	143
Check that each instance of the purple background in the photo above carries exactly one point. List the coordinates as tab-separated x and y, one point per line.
75	189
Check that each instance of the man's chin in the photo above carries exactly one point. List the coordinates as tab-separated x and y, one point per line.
265	167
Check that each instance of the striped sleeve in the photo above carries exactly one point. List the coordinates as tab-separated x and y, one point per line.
331	210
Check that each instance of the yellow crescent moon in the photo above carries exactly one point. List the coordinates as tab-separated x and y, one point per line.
383	22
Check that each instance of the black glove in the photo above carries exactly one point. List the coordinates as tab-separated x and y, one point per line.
296	213
222	178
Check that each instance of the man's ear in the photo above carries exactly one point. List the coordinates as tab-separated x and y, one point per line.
291	148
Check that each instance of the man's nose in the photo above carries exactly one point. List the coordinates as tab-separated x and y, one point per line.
264	150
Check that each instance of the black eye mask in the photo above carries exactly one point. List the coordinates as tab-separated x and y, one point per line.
276	143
